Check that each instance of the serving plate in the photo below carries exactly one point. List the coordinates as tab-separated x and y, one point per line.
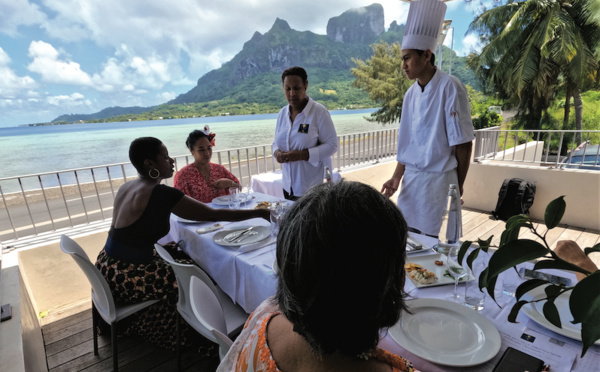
224	200
446	333
536	313
428	262
262	232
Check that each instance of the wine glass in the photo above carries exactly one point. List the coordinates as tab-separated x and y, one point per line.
234	198
456	271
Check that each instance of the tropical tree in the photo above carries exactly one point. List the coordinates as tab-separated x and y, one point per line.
383	79
533	47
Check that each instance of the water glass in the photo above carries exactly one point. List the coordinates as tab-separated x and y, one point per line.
474	297
275	213
234	198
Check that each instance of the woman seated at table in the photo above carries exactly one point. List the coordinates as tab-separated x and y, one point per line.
341	255
203	180
129	262
305	137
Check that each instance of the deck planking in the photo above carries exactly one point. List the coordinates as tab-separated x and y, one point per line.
69	344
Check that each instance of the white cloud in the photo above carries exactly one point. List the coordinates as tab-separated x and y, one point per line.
46	62
13	86
75	100
470	44
166	96
16	13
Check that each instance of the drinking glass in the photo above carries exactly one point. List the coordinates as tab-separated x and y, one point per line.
456	271
474	297
247	193
234	198
277	210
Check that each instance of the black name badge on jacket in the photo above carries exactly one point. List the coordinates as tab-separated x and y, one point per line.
303	128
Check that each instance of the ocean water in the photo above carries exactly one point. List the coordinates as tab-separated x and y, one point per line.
32	150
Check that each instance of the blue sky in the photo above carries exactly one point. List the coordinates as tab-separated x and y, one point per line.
80	56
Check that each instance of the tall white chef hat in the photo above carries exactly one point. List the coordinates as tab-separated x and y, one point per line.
425	18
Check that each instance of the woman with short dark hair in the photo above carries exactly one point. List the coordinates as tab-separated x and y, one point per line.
203	180
340	258
305	137
129	262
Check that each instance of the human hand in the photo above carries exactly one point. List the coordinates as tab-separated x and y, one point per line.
390	187
279	156
225	183
571	252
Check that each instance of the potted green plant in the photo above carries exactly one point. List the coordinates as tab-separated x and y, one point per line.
584	301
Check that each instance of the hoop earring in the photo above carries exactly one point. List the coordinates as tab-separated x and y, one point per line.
154	176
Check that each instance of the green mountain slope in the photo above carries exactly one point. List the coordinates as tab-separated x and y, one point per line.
251	81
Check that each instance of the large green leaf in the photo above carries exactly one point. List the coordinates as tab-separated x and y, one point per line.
485	244
554	212
583	297
513	254
472	257
551	313
512	317
595	248
558	264
528	286
463	250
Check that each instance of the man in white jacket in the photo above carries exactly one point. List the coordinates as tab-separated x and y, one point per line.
436	131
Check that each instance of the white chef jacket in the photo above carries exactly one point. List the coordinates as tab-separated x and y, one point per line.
320	138
433	122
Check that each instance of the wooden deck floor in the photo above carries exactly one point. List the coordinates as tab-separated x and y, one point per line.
69	345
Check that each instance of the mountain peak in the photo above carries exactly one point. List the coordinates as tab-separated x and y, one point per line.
357	25
280	25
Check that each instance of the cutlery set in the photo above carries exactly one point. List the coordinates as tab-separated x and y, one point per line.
239	236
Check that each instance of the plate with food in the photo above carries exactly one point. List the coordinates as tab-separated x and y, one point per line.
263	205
224	200
241	235
430	270
446	333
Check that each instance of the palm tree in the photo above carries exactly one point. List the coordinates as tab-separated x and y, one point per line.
533	45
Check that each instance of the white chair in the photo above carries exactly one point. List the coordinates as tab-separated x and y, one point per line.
209	313
234	315
103	303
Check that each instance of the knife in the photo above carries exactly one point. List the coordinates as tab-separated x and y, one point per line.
236	234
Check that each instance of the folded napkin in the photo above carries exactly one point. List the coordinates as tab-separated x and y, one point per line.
253	246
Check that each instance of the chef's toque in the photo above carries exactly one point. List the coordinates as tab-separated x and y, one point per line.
424	23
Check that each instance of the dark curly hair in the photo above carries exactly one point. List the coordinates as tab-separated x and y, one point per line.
141	149
341	252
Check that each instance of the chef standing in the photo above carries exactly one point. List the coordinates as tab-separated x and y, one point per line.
436	132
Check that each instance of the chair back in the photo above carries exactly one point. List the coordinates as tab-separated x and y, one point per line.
101	294
183	273
209	312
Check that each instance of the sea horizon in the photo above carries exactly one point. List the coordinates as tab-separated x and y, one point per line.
48	148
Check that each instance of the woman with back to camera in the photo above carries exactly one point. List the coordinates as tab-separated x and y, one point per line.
203	180
340	258
129	262
305	137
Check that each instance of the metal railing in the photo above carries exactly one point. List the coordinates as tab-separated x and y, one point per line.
49	202
551	148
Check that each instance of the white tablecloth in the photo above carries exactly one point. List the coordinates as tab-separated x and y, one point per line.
247	277
271	183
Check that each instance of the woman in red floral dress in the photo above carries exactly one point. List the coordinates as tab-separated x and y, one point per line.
203	180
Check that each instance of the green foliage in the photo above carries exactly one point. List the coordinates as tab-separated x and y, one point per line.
383	78
533	49
486	120
584	301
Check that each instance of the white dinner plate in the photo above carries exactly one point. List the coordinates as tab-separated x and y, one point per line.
428	262
446	333
263	232
224	200
536	313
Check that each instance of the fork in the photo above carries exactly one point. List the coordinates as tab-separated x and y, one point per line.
240	234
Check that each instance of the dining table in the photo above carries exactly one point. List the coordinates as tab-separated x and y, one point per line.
271	183
246	274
